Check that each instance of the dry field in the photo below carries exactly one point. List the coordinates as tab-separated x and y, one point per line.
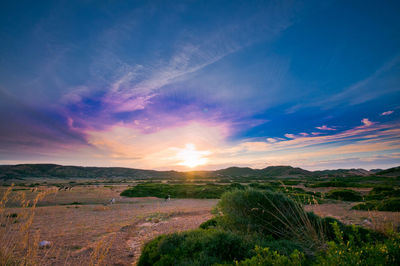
91	231
81	234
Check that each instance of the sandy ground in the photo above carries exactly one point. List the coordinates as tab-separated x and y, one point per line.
342	211
117	231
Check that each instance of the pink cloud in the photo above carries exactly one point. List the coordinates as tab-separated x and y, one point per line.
324	127
367	122
304	134
290	136
387	113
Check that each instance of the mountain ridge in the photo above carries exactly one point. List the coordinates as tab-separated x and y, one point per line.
70	171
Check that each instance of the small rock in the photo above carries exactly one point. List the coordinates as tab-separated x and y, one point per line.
366	222
44	244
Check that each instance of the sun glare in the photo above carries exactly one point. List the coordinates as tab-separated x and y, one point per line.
191	157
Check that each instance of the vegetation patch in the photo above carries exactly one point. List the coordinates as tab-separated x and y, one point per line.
209	191
390	204
196	247
261	227
344	194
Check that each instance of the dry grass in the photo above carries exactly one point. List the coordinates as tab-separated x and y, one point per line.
93	233
377	220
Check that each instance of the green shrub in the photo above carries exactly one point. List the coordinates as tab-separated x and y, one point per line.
389	204
262	212
380	193
210	191
344	194
196	247
366	206
265	256
334	184
350	252
211	223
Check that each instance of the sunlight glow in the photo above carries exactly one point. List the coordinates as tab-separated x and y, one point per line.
191	157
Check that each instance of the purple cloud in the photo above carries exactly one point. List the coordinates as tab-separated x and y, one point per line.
324	127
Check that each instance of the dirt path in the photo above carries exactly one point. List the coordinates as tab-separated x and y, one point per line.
81	234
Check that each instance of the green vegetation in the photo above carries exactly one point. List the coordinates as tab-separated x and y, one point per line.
261	227
344	194
389	204
209	191
381	198
383	192
334	184
260	212
196	247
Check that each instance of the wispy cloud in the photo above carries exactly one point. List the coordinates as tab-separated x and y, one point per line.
387	113
324	127
367	122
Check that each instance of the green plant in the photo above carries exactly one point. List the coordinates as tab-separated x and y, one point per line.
265	256
389	204
268	213
196	247
210	191
351	252
344	194
211	223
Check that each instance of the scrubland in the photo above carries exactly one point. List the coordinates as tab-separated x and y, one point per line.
218	219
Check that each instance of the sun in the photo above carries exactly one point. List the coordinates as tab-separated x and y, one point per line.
191	157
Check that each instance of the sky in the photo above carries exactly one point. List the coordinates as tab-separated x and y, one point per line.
200	84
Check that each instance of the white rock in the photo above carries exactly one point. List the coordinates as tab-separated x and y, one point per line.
366	222
44	244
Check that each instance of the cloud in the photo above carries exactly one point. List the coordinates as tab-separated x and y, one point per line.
324	127
367	122
290	136
272	140
387	113
304	134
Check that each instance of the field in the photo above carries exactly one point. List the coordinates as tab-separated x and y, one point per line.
85	229
76	230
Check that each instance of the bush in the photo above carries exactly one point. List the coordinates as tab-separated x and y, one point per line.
261	212
344	194
212	223
334	184
389	204
380	193
265	256
196	247
350	252
209	191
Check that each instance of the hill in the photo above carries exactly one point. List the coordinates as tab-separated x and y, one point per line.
60	171
395	171
22	171
344	172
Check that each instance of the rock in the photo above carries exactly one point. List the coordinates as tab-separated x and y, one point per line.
44	244
366	222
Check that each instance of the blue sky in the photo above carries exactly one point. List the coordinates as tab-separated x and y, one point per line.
313	84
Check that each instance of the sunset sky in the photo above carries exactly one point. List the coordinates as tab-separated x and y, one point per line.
200	84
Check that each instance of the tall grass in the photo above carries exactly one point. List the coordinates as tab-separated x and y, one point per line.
19	241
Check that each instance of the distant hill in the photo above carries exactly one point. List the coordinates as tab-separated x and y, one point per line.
285	171
395	171
344	172
21	171
60	171
237	171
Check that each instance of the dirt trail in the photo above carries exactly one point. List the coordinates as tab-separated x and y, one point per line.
118	230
